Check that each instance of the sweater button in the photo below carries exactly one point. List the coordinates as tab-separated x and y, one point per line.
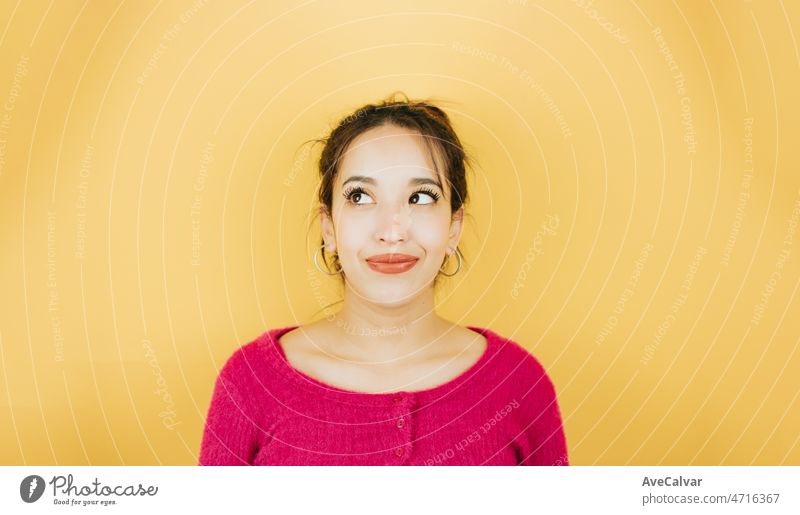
401	422
399	451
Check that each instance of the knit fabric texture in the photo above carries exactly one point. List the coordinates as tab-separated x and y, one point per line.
501	411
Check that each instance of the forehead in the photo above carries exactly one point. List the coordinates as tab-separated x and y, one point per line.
387	151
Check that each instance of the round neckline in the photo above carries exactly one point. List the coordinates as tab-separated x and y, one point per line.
278	357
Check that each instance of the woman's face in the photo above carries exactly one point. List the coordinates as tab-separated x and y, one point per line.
389	204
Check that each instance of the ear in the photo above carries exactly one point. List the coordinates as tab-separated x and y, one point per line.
327	229
456	227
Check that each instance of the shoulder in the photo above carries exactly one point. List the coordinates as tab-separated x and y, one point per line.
519	364
245	363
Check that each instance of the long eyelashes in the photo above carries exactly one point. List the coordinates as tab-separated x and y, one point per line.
430	192
353	190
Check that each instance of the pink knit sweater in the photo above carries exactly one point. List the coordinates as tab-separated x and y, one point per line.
501	411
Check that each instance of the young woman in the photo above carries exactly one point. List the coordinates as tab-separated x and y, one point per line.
385	380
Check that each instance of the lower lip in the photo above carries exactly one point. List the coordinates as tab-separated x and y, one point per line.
392	268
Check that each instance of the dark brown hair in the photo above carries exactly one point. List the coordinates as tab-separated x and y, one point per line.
447	153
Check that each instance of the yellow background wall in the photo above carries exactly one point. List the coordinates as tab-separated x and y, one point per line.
633	224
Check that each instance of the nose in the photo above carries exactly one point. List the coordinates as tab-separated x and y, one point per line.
394	224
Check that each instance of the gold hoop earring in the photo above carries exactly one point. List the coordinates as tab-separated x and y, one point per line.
316	264
458	255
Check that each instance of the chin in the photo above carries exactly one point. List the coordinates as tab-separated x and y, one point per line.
389	296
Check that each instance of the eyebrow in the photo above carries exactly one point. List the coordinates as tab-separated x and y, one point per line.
416	181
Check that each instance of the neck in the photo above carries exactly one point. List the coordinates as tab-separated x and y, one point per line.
387	333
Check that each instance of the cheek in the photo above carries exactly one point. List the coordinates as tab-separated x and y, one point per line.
352	231
430	230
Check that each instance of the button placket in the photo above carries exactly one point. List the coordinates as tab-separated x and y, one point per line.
402	423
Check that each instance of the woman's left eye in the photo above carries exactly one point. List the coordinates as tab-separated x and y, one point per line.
422	195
